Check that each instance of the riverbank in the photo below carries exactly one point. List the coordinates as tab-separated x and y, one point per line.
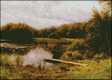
95	69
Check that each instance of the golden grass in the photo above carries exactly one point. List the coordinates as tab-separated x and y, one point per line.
96	69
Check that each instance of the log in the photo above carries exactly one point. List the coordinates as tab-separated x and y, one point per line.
65	62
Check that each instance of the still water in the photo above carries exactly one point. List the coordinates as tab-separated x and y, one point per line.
36	57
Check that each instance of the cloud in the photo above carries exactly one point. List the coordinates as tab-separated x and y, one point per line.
46	13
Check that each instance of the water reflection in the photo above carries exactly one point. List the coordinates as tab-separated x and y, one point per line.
36	57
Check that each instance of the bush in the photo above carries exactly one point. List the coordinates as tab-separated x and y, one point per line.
72	55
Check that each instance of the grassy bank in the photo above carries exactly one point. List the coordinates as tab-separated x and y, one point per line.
95	69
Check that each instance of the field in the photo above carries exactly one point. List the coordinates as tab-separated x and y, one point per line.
95	69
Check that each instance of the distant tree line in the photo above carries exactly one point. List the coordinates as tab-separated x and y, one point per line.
20	32
64	31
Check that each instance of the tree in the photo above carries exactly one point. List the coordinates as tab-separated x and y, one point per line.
18	33
101	31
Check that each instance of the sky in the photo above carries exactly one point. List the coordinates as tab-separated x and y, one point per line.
43	14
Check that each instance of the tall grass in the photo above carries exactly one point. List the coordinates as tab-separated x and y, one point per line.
95	69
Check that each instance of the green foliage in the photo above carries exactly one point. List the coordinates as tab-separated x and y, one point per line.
18	33
101	33
57	51
11	32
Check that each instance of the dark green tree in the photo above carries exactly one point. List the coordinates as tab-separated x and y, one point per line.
101	32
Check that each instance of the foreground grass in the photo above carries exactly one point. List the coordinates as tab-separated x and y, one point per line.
95	69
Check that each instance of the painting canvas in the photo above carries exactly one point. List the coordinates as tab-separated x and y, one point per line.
55	39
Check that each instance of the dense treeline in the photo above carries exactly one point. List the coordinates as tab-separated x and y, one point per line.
19	33
64	31
24	33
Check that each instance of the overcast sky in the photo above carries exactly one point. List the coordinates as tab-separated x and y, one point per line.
41	14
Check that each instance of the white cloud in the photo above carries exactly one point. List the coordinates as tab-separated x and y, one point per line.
46	13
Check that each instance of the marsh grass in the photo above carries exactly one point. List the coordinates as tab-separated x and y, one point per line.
94	70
